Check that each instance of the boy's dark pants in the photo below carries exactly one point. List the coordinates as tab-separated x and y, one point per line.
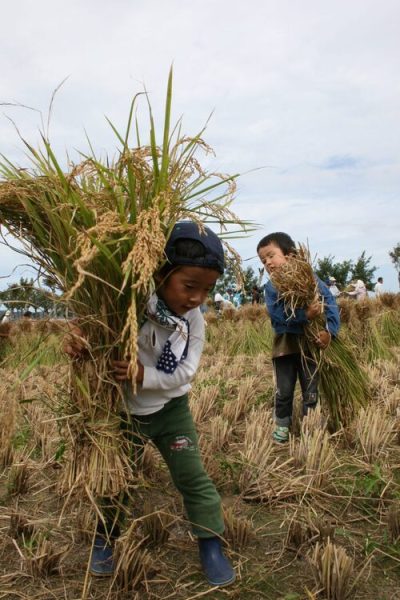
173	432
287	369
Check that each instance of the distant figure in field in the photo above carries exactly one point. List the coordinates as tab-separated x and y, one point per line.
6	316
218	300
27	315
333	288
378	289
360	290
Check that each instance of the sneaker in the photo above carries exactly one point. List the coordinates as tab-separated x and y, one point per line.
101	563
216	567
281	434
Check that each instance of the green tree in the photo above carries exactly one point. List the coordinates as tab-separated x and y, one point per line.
326	267
364	271
23	295
395	256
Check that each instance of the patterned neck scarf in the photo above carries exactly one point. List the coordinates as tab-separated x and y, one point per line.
176	347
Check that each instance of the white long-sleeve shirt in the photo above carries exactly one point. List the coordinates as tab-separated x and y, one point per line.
158	387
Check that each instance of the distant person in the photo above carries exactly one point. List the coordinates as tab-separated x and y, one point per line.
359	291
288	361
6	316
27	315
378	289
218	301
333	288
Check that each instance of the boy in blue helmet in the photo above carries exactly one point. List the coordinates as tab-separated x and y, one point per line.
170	345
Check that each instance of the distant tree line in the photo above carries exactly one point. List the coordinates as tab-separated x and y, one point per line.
25	295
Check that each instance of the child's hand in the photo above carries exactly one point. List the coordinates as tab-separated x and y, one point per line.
313	310
122	371
323	339
74	343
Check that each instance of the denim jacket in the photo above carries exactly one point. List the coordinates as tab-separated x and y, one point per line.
284	323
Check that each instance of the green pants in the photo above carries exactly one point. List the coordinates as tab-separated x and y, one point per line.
173	432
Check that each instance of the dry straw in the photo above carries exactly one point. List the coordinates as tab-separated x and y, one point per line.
98	229
333	570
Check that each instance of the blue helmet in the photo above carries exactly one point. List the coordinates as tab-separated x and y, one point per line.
213	257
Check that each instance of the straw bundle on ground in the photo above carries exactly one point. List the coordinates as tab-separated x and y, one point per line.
99	229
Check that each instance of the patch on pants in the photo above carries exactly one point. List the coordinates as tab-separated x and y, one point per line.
182	442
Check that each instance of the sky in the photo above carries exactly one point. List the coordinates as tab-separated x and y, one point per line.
304	96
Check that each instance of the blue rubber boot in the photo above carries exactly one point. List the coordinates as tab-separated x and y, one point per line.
101	564
216	567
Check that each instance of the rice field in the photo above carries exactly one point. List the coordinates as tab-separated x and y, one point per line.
316	518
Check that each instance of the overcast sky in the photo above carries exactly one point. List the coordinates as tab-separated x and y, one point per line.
309	90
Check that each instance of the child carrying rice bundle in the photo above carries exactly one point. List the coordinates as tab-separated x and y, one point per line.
98	230
296	301
170	340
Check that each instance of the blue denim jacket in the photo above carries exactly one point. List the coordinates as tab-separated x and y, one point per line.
283	323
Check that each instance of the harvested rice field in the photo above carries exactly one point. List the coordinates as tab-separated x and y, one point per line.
316	518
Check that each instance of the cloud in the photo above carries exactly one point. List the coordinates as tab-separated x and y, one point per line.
341	161
310	90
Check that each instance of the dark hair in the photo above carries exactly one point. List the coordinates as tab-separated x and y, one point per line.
27	314
280	239
380	279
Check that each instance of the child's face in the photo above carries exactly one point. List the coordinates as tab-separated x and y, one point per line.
271	257
187	288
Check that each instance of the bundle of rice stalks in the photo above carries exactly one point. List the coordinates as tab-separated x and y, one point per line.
388	323
253	312
203	404
298	287
346	311
156	525
238	530
388	300
98	229
262	476
133	563
343	382
307	527
314	454
39	555
374	431
220	432
245	337
333	571
235	409
374	343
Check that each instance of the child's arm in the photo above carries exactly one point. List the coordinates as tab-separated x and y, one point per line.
279	317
